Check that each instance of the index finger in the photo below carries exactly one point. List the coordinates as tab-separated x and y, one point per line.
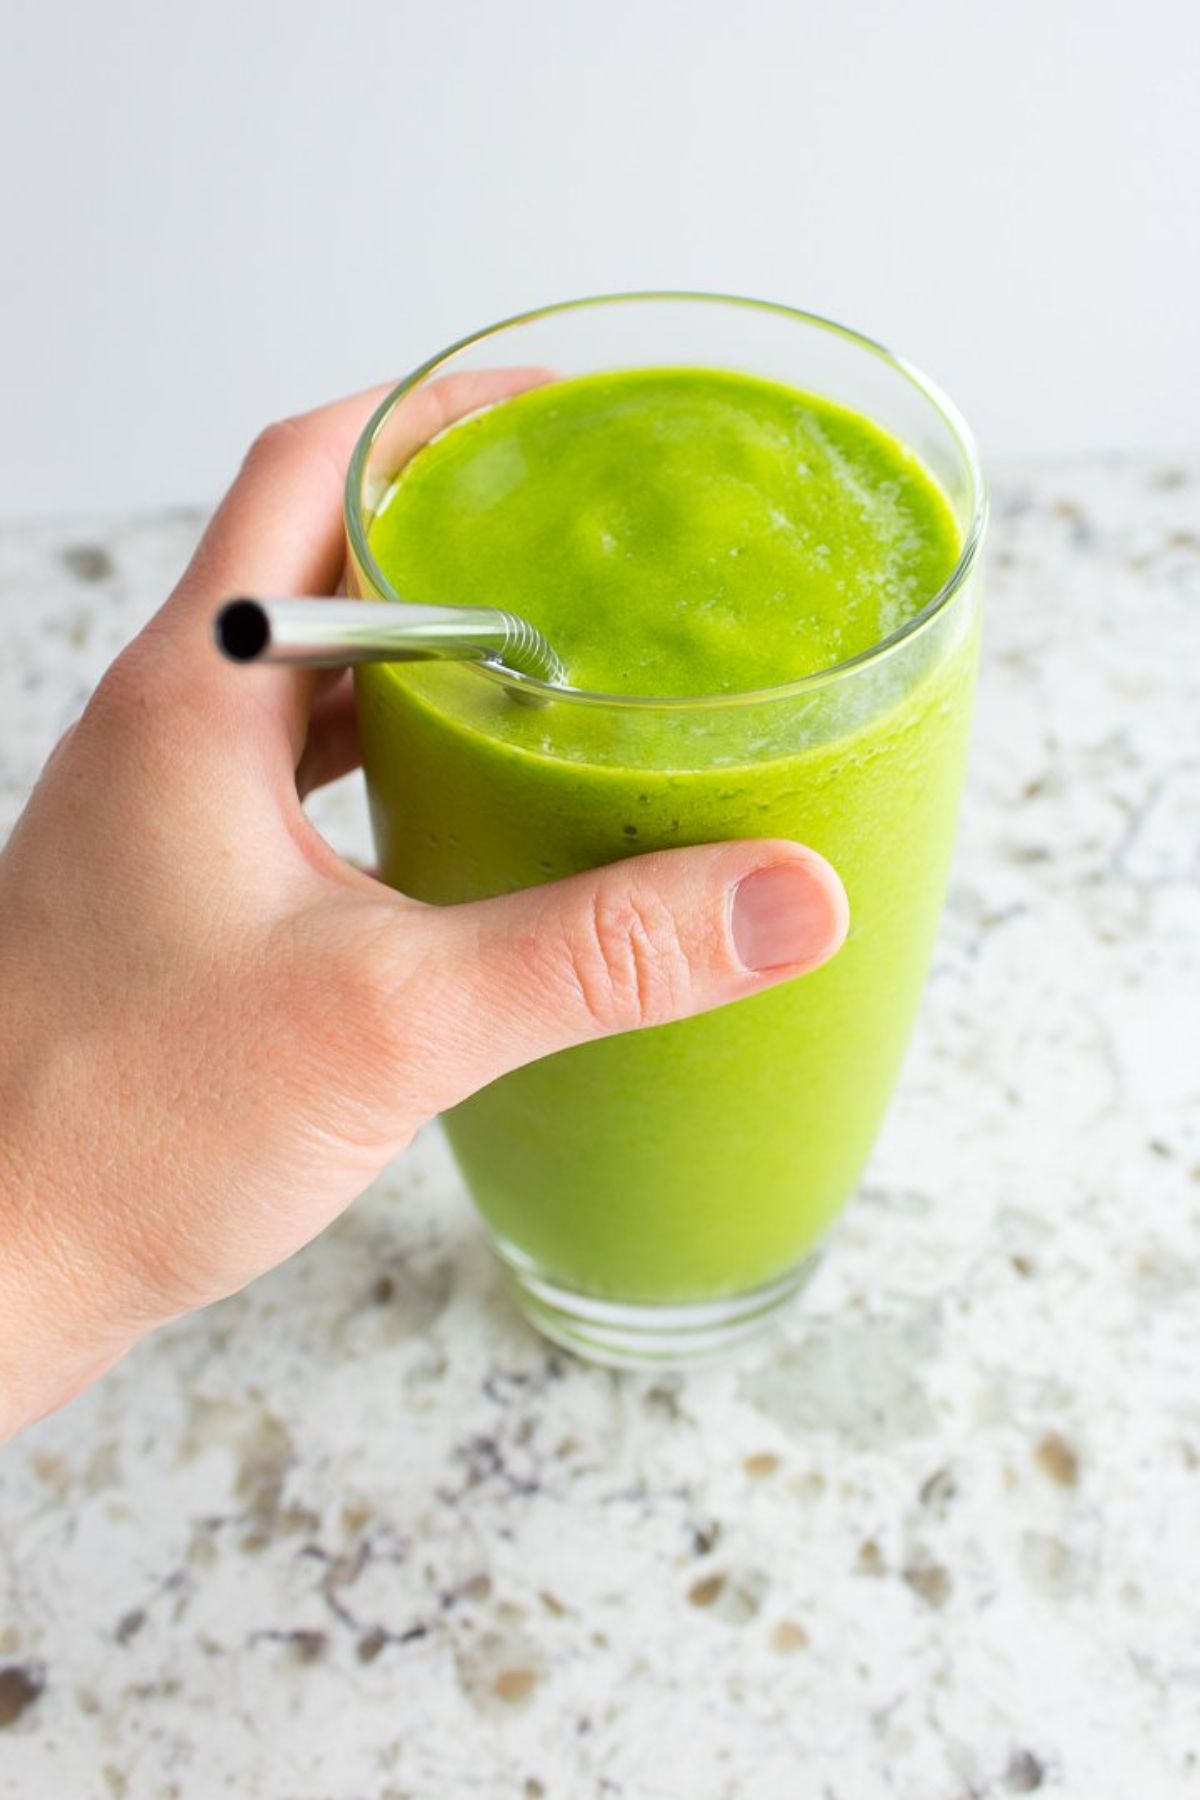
279	530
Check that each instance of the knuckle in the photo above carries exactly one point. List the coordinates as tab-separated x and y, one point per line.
141	701
60	756
626	961
272	442
380	1012
122	684
344	1020
121	702
65	741
367	1008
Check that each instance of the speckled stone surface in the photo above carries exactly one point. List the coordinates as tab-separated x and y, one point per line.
358	1533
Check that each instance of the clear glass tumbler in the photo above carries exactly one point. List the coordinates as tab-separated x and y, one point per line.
655	1197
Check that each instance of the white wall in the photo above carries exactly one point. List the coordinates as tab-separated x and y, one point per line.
217	212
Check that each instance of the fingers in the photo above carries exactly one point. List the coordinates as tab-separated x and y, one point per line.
331	747
279	530
638	943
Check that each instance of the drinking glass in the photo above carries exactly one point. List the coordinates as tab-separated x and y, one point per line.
657	1196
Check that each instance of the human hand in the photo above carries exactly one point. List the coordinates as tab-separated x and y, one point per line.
216	1032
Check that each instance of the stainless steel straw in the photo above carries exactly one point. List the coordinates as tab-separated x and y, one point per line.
326	634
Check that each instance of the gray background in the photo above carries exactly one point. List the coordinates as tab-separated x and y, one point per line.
215	214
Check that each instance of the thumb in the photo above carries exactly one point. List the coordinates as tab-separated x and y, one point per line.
641	942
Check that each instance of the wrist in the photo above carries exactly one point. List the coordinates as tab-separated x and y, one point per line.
60	1324
71	1302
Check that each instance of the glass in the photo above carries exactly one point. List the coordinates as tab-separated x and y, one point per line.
657	1196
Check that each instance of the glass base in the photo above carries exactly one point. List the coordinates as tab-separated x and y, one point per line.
625	1335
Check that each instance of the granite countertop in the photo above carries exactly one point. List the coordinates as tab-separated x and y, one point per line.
359	1533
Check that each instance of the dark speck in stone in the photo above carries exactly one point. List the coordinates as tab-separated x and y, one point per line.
383	1291
1057	1459
514	1685
761	1465
931	1581
870	1559
88	562
939	1489
19	1688
370	1644
705	1538
1024	1772
306	1646
129	1625
706	1592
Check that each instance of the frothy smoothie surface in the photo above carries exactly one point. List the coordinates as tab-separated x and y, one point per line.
673	531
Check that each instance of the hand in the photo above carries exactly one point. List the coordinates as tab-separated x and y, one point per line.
216	1032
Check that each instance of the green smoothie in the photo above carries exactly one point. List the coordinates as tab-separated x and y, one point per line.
680	533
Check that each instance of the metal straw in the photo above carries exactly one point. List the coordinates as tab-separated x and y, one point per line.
326	634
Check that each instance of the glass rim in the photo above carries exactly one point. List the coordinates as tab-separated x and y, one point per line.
879	652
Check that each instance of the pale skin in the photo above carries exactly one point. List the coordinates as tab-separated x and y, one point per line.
216	1032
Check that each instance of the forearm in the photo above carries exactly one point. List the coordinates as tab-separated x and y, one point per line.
54	1338
41	1368
64	1317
